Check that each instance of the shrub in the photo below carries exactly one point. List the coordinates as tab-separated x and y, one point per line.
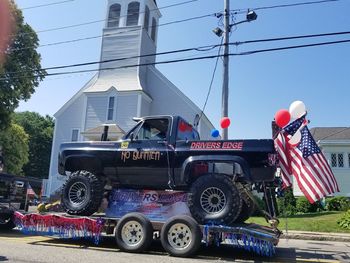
304	206
261	205
287	203
338	203
344	221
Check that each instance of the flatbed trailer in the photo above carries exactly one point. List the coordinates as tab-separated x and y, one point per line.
180	235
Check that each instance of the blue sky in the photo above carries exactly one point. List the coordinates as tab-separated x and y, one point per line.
260	84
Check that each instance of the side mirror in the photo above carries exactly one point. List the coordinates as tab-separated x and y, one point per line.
132	137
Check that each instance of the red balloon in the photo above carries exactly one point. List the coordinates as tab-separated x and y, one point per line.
182	126
282	118
225	122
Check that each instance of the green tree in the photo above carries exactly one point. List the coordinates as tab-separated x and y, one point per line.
40	131
21	71
14	142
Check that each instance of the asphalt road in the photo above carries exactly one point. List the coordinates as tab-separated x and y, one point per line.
15	247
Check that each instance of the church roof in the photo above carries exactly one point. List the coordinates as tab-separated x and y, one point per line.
331	133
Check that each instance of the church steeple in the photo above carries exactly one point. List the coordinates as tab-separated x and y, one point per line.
131	30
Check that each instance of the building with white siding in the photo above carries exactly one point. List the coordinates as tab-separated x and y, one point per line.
335	144
116	95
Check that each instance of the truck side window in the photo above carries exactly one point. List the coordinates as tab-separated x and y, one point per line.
186	132
153	130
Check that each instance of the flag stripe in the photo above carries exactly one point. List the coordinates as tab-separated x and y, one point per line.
319	187
324	161
324	173
299	171
318	174
286	173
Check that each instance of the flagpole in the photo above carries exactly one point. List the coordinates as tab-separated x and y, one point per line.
26	201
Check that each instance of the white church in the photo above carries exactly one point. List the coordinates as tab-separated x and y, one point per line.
116	95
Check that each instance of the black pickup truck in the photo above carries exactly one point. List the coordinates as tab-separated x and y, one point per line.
165	152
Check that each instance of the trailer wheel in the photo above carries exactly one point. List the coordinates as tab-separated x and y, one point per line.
134	233
248	205
214	198
181	236
82	193
6	222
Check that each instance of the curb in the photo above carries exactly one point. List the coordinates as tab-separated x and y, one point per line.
320	236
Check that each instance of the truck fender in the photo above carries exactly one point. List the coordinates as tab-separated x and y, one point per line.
185	173
86	162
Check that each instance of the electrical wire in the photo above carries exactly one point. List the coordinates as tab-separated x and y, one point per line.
200	49
55	3
293	37
211	81
117	33
193	59
103	20
240	11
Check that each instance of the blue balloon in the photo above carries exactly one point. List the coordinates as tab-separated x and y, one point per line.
215	133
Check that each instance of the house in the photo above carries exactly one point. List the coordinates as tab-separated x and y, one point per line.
335	144
118	93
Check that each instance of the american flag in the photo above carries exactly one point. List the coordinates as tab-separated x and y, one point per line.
305	162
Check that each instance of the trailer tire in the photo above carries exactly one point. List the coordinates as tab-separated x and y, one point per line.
214	198
181	236
82	193
248	205
6	221
134	233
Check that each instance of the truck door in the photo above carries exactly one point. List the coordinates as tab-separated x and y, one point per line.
145	157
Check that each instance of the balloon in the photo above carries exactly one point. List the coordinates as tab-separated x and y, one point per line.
297	109
282	118
182	126
225	122
295	139
215	133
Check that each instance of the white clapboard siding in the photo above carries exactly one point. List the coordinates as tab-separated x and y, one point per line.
126	110
96	111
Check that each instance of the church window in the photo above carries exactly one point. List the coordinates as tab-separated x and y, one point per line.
154	29
146	23
110	109
133	14
114	15
75	135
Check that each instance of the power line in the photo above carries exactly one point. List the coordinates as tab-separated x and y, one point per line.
200	48
118	33
55	3
292	37
238	11
211	81
196	58
103	20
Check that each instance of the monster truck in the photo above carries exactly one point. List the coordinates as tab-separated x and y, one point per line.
165	152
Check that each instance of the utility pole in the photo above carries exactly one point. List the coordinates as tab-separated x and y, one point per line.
226	66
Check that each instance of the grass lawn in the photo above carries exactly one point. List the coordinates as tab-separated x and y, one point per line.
318	222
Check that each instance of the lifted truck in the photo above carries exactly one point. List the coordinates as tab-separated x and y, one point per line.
165	152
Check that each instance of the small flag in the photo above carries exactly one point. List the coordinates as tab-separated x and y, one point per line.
305	161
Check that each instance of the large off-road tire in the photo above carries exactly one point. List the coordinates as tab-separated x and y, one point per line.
214	198
134	233
181	236
248	205
6	219
82	193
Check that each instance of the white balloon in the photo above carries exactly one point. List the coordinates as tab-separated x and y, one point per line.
295	139
297	109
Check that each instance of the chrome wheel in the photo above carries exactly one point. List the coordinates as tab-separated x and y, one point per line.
179	236
213	200
132	233
77	193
